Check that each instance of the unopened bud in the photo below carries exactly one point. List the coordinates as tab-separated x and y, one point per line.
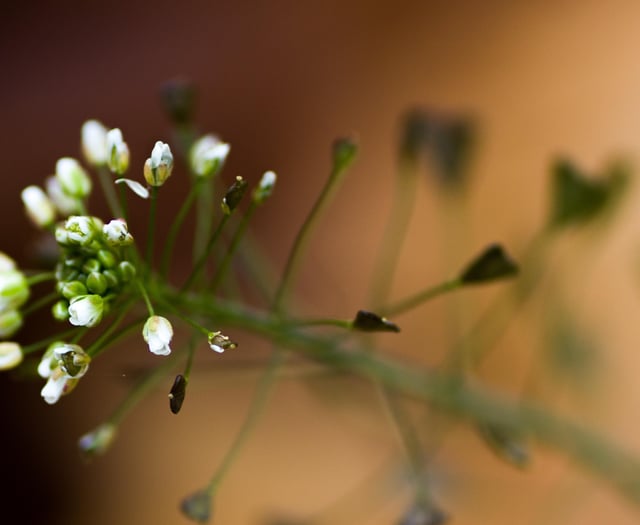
158	167
10	355
74	181
94	143
265	188
118	152
38	206
97	441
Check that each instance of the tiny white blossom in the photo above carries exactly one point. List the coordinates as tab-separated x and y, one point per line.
54	387
135	186
207	155
38	206
157	332
218	342
117	233
94	142
65	204
86	310
10	355
158	167
78	230
118	152
73	179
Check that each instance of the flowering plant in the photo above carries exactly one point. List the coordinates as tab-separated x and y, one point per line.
108	285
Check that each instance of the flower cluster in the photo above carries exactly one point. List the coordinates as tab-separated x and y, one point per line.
93	268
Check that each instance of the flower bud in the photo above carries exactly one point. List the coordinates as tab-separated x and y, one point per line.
65	204
74	181
97	441
86	310
10	355
265	188
10	323
106	258
218	342
118	152
14	290
117	233
72	289
58	384
38	206
94	142
157	332
97	283
126	271
208	155
60	310
158	167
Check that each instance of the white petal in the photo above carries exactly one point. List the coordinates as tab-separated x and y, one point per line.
136	187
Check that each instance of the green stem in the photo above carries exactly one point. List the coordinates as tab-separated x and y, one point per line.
98	346
340	323
104	176
293	260
256	408
425	295
205	254
142	388
40	303
444	391
224	265
394	233
40	278
177	224
151	230
145	297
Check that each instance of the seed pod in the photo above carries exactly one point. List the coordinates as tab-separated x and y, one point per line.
177	393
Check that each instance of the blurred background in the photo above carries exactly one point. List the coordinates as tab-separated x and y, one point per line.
280	81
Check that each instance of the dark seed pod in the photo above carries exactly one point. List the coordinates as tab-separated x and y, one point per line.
369	322
177	393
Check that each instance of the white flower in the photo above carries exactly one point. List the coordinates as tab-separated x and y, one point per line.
74	181
117	233
38	206
86	310
118	152
78	230
65	204
62	365
94	143
135	186
157	332
57	385
158	167
14	290
10	355
265	188
207	155
71	359
218	342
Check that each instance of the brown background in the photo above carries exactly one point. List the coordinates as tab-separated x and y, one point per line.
280	80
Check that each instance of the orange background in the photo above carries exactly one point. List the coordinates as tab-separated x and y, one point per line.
280	80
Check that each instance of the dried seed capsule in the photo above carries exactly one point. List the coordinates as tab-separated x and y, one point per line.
177	393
